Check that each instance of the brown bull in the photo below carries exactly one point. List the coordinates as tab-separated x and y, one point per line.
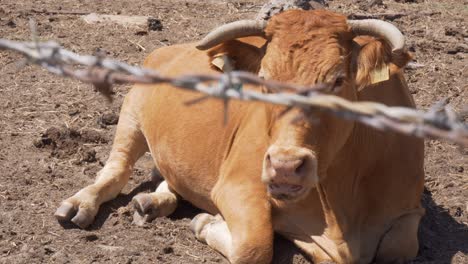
339	190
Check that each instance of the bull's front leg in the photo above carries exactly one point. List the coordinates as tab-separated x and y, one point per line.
244	232
129	145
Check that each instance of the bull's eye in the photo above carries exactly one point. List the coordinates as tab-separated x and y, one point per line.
337	84
339	81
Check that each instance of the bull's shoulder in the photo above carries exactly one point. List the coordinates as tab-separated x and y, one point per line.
164	55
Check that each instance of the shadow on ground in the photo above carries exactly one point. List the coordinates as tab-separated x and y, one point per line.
440	235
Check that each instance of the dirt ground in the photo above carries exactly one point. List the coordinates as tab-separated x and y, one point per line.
56	133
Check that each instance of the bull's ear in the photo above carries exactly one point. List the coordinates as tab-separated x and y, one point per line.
243	54
374	61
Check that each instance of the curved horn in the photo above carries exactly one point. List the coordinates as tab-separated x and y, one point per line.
381	29
238	29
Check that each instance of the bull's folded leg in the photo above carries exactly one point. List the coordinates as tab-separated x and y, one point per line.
213	231
162	202
244	233
129	145
400	243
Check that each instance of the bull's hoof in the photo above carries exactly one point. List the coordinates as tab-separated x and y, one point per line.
199	225
146	209
144	204
65	212
83	218
80	216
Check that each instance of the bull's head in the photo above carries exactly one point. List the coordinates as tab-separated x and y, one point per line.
306	48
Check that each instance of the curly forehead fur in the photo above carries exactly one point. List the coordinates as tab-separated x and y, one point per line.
307	23
307	46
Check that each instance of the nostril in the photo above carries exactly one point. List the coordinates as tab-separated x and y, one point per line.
300	168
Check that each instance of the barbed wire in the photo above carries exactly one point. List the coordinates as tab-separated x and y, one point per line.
439	122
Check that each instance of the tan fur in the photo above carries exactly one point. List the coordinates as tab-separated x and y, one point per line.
367	196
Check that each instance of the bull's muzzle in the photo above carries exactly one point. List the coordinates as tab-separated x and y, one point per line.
289	172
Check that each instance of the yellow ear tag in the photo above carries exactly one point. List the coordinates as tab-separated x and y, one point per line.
218	62
380	75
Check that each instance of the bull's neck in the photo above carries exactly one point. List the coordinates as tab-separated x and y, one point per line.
340	200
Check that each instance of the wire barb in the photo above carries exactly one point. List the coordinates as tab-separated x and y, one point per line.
440	122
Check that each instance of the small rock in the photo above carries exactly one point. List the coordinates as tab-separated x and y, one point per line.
451	31
38	143
141	33
89	156
27	181
91	237
11	24
108	119
53	133
48	250
168	250
73	112
48	170
458	212
452	51
154	24
42	142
